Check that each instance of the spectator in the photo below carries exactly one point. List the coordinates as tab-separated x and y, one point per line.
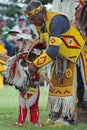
20	24
4	29
19	27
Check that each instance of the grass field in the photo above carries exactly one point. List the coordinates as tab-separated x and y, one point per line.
9	111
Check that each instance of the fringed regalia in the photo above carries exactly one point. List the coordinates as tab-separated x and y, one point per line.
62	101
63	98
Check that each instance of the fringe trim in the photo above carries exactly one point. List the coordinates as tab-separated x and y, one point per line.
61	121
68	106
65	105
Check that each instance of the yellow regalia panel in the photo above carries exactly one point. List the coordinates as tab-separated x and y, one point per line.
2	68
72	45
73	41
66	87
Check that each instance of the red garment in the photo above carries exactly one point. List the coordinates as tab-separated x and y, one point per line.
34	110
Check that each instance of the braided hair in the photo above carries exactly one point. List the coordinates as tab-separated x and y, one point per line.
83	19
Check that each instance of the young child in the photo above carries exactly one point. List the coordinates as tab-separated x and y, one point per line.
28	100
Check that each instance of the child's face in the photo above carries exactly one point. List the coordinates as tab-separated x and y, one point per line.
26	31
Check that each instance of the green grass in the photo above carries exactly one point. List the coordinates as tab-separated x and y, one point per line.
9	112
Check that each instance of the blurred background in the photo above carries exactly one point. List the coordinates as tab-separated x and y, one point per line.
11	9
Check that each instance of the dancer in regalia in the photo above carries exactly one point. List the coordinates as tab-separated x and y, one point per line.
64	44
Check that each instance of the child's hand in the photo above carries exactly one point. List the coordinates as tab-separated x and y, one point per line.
32	67
51	86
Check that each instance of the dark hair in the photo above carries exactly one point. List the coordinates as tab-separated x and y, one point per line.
83	17
34	4
86	31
